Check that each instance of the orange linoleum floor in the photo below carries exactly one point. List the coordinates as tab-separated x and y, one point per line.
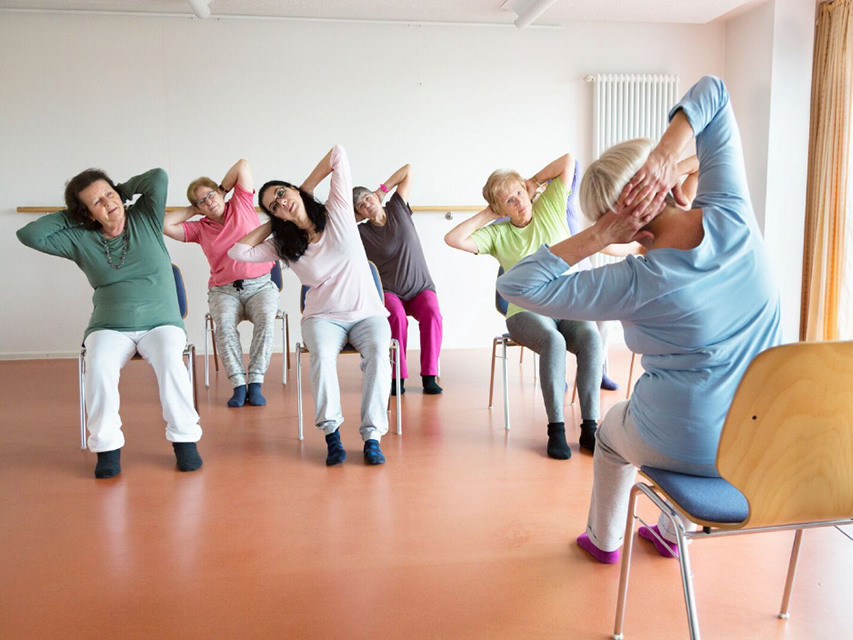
466	533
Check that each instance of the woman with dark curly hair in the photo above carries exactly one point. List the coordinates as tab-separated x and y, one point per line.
321	244
122	253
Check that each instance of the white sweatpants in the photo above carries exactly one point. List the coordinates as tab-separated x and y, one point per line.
107	352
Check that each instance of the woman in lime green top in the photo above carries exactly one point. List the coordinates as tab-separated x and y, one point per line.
529	224
122	253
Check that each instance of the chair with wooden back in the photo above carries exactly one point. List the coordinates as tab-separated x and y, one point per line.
785	457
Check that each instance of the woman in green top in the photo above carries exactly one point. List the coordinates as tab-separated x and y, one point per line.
529	224
122	253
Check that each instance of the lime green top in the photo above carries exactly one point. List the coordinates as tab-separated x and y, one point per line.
510	244
139	296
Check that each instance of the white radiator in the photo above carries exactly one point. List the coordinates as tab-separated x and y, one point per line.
627	106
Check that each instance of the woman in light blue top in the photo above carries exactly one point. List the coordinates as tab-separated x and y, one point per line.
698	306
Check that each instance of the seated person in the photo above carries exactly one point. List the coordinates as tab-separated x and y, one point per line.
320	243
392	244
236	290
122	253
529	225
699	306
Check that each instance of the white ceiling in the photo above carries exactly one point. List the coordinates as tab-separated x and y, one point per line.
456	11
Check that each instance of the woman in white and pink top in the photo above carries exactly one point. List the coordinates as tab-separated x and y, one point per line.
321	244
237	291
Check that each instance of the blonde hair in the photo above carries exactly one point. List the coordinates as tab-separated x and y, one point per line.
497	182
204	181
605	178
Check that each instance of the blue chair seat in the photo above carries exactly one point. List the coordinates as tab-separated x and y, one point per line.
708	499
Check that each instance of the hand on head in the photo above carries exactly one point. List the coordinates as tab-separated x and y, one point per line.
653	181
625	222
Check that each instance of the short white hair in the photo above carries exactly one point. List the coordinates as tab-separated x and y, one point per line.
605	178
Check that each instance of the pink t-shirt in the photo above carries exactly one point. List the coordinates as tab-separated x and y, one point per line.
217	238
335	267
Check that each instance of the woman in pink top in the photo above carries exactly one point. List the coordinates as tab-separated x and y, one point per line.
237	291
321	244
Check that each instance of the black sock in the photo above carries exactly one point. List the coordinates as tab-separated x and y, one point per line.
372	452
430	386
255	397
336	453
588	429
239	397
402	387
187	455
109	464
558	448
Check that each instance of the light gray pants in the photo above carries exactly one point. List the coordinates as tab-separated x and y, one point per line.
619	450
256	302
371	337
551	339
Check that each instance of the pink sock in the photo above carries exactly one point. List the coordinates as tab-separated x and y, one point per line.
666	549
605	557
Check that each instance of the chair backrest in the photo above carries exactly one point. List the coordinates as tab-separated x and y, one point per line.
787	443
500	302
376	280
275	275
180	289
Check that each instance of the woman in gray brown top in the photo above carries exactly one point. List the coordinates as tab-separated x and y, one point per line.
392	244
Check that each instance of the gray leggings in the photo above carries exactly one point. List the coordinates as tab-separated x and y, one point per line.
256	302
551	339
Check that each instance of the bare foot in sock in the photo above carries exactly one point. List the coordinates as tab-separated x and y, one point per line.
666	548
604	557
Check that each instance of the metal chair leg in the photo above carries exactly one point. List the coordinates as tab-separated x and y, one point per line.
575	390
792	573
284	347
299	387
492	379
395	345
207	320
506	390
630	376
686	578
627	549
81	369
191	370
287	332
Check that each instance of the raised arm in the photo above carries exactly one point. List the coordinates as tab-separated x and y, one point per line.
240	173
402	179
460	236
320	173
173	222
152	185
50	234
563	167
254	246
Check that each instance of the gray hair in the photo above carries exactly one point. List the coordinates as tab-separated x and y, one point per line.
605	178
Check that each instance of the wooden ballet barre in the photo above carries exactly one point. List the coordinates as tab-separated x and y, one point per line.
421	208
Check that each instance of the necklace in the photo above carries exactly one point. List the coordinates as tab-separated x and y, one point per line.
123	249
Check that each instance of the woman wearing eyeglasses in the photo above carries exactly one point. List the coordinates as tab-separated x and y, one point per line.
321	244
237	291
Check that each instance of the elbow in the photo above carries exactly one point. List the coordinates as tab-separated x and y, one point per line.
450	241
509	288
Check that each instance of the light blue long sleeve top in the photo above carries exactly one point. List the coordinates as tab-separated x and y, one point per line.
698	317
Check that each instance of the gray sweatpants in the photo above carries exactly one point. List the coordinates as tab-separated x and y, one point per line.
256	302
551	339
619	451
371	337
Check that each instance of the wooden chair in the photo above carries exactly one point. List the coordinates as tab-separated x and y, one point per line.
785	457
189	354
348	348
210	329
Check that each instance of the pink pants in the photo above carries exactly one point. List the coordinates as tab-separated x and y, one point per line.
423	308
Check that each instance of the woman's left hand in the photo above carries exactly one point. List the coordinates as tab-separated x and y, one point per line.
625	223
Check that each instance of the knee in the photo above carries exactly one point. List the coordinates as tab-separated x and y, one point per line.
589	340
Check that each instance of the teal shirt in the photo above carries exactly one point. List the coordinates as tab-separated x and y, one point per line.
510	244
139	296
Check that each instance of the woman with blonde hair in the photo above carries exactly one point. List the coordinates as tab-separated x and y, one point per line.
699	305
237	290
530	224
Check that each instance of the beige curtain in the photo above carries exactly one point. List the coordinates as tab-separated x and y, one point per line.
829	152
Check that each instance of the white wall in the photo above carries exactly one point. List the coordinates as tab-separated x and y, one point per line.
769	54
129	93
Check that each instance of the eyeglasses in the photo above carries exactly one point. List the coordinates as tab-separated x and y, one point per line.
206	198
280	193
